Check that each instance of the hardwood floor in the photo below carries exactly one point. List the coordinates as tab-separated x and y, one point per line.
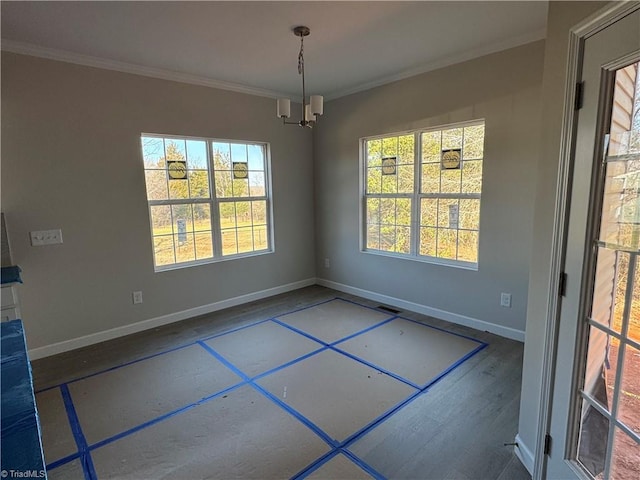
456	430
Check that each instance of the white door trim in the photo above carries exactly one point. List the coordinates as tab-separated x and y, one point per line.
577	36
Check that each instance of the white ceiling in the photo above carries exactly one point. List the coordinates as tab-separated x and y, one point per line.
249	46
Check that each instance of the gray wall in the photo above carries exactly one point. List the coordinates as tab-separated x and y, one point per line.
71	160
502	88
561	17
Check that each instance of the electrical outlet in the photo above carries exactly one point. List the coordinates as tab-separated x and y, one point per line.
137	297
45	237
327	263
505	300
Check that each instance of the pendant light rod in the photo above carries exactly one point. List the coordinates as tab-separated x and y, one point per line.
315	105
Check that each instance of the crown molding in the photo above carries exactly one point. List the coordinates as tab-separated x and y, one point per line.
446	62
96	62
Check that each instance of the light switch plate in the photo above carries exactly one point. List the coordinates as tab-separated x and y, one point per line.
46	237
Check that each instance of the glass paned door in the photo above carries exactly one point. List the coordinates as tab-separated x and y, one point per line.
609	412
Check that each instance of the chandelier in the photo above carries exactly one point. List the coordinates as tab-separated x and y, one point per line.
309	110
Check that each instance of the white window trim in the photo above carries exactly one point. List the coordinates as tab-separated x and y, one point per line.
413	254
214	203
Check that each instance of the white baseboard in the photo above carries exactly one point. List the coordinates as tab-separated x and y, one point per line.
507	332
524	454
110	334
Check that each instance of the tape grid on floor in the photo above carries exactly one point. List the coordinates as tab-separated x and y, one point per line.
84	450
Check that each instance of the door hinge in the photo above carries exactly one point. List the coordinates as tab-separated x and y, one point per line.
562	285
547	444
579	95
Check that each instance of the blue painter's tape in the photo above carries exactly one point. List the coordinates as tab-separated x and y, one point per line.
443	330
454	366
62	461
368	329
288	364
376	367
316	464
365	466
270	396
81	442
165	416
305	334
307	307
119	366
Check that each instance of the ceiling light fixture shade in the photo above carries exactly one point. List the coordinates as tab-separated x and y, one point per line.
314	107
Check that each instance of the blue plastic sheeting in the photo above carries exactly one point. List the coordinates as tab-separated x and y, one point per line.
10	274
20	448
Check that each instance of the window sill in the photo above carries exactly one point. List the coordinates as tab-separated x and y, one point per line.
421	259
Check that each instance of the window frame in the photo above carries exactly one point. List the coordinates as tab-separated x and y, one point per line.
416	198
213	201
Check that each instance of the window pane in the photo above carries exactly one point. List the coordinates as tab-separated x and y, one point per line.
197	154
388	211
450	181
429	212
634	316
374	180
178	189
156	181
239	153
403	211
182	220
243	214
224	184
446	212
245	239
431	147
227	215
452	138
431	178
406	154
610	287
153	152
256	157
259	212
469	214
199	183
185	248
472	176
447	243
390	183
629	399
241	187
201	217
473	142
221	156
256	184
163	250
428	242
229	242
161	220
390	147
260	240
175	149
468	246
405	178
373	210
373	236
403	239
625	458
374	153
592	442
387	238
204	245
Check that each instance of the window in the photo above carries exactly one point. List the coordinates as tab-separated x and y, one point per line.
422	191
208	199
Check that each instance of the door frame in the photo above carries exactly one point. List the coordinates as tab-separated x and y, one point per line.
577	37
